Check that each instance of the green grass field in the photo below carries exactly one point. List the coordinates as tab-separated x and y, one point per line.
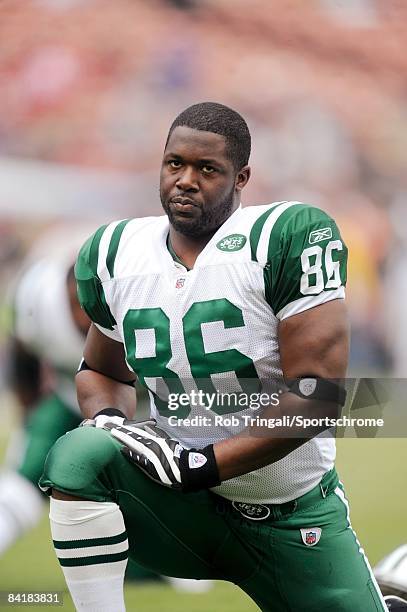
373	471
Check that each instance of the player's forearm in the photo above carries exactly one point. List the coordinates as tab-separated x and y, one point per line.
258	446
97	392
238	455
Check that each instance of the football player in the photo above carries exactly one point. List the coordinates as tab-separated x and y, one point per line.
49	330
210	298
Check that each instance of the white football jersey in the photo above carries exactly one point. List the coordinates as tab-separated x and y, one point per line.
43	320
214	328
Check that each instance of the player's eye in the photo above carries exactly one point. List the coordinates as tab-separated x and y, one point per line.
208	169
175	164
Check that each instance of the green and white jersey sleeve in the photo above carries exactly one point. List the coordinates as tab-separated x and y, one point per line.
95	265
304	258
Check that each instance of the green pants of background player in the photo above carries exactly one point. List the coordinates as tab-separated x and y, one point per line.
201	535
50	419
46	422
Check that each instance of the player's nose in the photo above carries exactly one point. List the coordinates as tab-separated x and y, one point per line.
188	180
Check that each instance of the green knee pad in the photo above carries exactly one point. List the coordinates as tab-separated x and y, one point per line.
76	460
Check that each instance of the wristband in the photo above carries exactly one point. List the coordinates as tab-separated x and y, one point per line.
198	469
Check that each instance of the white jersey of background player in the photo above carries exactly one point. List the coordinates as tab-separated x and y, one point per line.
48	331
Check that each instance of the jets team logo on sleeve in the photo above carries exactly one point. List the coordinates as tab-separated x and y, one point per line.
234	242
311	536
320	234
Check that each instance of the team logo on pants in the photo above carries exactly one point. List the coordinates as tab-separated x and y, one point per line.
254	512
311	536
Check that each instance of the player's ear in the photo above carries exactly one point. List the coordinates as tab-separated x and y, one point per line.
242	178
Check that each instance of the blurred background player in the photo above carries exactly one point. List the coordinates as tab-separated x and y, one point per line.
391	573
48	332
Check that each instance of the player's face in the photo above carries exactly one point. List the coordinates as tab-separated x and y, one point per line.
199	187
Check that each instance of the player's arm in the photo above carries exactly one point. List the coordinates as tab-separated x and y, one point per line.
312	343
106	382
305	278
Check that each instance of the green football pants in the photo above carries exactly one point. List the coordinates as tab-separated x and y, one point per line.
303	557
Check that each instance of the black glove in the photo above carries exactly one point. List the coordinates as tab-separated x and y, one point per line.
163	459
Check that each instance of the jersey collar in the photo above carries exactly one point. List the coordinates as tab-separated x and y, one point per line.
219	232
173	253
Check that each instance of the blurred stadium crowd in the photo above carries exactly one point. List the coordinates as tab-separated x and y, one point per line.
89	88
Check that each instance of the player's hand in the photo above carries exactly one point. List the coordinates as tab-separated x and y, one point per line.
151	449
165	460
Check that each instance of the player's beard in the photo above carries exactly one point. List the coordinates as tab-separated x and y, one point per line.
207	222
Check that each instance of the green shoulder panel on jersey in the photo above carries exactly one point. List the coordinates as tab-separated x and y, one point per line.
90	289
306	260
257	229
114	245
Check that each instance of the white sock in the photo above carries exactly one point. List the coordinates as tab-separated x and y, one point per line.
21	505
91	544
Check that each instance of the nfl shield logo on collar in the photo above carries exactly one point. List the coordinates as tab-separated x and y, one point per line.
311	536
180	282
